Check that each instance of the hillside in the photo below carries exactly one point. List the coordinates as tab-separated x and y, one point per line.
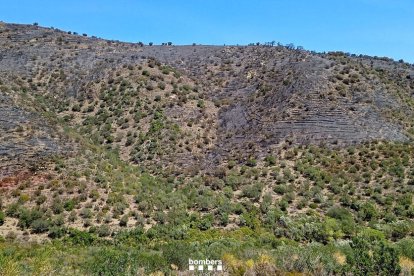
274	147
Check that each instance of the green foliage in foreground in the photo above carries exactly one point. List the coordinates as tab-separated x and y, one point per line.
136	252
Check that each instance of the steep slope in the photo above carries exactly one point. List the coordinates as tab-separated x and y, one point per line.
262	95
99	135
26	141
273	159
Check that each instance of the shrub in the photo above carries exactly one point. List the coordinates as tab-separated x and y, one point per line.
250	219
224	219
253	191
41	199
270	160
161	86
2	217
201	104
56	232
112	261
80	237
103	231
367	211
372	257
280	189
26	217
206	222
12	210
72	216
124	221
339	213
266	203
406	247
40	226
57	207
76	108
401	229
251	162
86	213
331	229
283	204
69	205
234	181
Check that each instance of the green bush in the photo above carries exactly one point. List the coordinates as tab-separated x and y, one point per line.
111	261
178	253
124	221
40	226
251	162
339	213
367	211
26	217
270	160
253	191
56	232
69	205
86	213
372	257
103	231
280	189
406	247
80	237
206	222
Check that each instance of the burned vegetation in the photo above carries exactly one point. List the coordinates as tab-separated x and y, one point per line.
267	156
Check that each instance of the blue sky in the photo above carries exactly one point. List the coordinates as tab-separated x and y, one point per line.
374	27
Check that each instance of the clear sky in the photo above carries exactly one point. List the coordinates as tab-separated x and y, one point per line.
374	27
